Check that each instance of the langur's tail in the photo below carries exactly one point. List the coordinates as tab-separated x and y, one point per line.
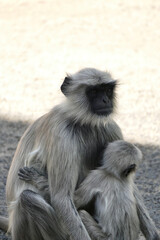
4	223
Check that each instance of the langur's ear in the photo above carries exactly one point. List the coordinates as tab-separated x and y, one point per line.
65	85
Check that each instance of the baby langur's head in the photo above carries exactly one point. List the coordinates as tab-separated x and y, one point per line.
121	158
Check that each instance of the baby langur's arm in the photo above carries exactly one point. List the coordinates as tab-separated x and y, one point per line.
37	179
94	230
87	190
84	195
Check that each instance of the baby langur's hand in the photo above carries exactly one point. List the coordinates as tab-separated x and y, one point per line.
28	174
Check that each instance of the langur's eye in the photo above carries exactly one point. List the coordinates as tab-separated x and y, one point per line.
109	92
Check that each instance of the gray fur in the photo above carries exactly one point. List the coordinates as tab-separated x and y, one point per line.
94	230
146	224
38	179
116	206
4	223
65	143
34	177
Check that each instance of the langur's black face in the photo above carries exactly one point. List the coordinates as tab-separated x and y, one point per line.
91	94
101	98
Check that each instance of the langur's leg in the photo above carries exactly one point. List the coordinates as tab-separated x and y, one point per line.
92	226
34	219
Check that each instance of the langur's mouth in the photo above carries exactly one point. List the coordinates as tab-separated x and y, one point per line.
103	111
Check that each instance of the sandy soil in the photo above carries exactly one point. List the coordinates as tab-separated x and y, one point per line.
42	40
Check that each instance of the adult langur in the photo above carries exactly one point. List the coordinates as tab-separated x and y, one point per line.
66	143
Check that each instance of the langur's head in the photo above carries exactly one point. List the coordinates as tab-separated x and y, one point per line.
121	159
90	95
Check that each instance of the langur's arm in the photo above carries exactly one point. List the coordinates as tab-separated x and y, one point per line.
92	227
114	132
146	224
37	179
62	182
87	190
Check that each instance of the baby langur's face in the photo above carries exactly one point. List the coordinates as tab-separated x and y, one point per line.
130	169
121	158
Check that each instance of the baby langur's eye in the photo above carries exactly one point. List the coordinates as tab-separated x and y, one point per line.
129	170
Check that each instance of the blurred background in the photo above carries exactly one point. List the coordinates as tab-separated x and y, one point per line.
41	41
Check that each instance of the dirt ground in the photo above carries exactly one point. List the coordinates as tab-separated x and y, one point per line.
42	40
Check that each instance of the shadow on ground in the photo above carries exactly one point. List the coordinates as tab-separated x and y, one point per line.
147	179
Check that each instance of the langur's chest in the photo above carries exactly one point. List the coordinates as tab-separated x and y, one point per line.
90	150
92	144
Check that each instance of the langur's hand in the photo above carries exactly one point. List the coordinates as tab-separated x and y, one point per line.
28	174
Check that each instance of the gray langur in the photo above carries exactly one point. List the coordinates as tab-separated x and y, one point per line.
65	143
110	186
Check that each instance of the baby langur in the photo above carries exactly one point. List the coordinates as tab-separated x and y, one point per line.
111	187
